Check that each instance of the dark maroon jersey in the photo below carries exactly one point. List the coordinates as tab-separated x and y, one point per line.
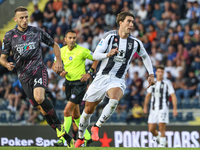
25	47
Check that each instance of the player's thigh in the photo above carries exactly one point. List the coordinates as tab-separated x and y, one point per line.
69	108
28	89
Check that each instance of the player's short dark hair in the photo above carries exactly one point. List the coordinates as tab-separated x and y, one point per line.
69	31
20	8
160	67
122	16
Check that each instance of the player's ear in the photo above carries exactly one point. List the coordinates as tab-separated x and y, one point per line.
15	19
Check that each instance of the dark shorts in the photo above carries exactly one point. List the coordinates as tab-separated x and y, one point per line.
75	91
39	79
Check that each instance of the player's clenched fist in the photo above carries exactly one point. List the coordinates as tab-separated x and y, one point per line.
112	52
10	66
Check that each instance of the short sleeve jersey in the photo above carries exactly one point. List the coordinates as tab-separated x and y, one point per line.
25	47
74	61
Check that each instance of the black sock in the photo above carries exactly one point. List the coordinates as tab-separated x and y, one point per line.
49	109
74	134
67	137
49	121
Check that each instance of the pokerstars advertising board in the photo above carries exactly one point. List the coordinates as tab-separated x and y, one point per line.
109	136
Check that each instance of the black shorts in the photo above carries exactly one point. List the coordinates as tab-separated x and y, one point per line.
75	91
39	79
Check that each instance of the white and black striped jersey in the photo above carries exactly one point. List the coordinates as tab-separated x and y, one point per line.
160	94
119	63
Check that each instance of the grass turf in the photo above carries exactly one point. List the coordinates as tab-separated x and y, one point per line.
90	148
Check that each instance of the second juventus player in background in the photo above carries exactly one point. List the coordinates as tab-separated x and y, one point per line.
159	111
115	52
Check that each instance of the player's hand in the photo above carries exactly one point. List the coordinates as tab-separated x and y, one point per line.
145	110
63	73
175	112
58	66
112	52
10	66
85	77
151	80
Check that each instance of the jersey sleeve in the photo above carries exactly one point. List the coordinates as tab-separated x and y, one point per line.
46	38
6	46
103	44
170	88
149	90
141	50
87	54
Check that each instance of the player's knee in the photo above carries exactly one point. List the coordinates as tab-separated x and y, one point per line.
39	99
113	103
66	112
89	110
151	130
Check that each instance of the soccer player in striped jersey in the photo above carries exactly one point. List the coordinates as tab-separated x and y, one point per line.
159	111
115	52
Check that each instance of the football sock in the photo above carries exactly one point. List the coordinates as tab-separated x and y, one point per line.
162	141
87	135
49	109
158	137
107	112
84	123
67	123
49	121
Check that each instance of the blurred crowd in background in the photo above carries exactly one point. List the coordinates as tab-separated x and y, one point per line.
169	30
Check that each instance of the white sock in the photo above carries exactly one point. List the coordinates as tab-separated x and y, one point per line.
162	141
158	138
107	112
83	124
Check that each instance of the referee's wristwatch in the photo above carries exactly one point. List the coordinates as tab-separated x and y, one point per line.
91	72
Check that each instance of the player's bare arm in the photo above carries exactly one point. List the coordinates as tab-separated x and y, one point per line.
86	76
3	61
174	103
146	102
58	66
112	52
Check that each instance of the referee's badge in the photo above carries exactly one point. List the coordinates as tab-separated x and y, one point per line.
70	58
73	96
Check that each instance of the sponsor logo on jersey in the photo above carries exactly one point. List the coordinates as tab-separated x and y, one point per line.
120	57
101	43
24	47
115	45
70	58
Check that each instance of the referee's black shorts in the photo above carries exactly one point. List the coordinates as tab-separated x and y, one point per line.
75	90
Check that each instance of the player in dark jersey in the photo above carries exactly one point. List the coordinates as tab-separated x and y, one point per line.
24	42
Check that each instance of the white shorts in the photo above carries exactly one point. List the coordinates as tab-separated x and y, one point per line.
101	84
159	116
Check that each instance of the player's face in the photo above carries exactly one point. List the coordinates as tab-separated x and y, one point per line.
70	39
127	24
21	17
159	74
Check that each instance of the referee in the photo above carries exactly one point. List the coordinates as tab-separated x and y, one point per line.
73	57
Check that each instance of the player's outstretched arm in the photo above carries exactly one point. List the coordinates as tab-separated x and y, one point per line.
3	61
58	66
174	103
146	102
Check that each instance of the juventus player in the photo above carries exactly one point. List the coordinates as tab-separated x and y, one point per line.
159	105
24	42
115	51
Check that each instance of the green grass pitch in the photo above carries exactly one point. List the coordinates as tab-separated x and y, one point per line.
91	148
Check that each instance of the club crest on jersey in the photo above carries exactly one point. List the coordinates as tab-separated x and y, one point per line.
24	37
70	58
130	46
